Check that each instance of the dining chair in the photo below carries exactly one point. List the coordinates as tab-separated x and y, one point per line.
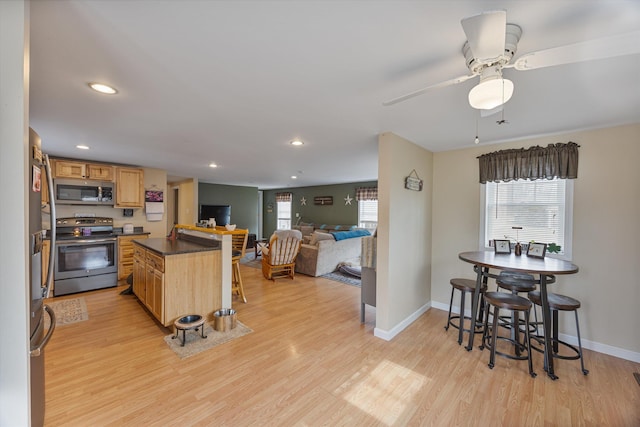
279	259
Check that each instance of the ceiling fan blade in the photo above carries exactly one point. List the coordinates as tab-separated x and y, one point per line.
486	34
428	88
607	47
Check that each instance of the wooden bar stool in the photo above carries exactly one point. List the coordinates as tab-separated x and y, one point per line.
238	248
517	305
464	286
558	303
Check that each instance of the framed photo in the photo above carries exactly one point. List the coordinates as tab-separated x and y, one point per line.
537	250
502	246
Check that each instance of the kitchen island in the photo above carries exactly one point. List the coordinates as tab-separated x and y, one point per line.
183	275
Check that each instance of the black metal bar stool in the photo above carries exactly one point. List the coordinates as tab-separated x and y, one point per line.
517	283
558	303
516	304
464	286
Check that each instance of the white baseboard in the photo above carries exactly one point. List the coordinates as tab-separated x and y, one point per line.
388	335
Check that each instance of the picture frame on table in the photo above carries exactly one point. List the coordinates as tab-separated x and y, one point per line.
536	250
502	246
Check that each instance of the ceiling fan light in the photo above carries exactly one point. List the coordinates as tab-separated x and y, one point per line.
491	93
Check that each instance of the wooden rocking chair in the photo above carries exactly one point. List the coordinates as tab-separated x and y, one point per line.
279	259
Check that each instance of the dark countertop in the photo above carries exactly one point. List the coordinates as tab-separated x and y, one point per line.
135	233
166	246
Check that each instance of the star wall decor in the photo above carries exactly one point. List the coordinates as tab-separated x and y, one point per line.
347	200
303	202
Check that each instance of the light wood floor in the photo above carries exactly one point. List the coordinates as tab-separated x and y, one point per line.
310	362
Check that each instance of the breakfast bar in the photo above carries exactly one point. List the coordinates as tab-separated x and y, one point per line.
185	274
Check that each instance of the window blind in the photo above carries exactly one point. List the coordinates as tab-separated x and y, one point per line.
536	206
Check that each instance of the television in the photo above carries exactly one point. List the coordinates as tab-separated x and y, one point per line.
222	213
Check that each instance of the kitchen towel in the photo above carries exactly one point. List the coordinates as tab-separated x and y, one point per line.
154	211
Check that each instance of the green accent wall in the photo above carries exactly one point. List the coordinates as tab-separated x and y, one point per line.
243	202
337	213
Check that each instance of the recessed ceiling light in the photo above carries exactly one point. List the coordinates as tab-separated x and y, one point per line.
102	88
213	165
294	177
82	147
297	142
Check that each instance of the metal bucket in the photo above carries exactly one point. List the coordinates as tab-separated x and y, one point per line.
224	319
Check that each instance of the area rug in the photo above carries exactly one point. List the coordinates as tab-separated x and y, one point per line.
338	276
69	311
250	261
194	343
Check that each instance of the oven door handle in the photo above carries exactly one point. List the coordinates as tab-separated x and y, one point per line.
77	242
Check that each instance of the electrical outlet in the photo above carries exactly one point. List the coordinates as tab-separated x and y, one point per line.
297	215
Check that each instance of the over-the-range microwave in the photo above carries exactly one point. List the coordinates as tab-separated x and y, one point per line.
84	192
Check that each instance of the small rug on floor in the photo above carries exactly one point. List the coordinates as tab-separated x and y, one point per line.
69	311
338	276
250	261
195	344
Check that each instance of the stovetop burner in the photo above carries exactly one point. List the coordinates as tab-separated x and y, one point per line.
84	228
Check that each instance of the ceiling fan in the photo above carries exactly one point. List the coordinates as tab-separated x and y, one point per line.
490	47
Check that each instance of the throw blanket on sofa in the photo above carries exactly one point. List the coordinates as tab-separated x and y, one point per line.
341	235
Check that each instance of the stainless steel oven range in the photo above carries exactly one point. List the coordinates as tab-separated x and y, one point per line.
86	255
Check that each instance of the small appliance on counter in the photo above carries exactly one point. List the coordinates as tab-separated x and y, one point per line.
127	228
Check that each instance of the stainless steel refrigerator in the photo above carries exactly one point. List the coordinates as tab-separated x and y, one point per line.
39	288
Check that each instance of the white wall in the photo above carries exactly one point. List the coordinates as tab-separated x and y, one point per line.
14	187
606	232
404	235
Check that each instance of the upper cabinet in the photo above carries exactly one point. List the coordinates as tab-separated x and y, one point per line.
129	188
82	170
101	172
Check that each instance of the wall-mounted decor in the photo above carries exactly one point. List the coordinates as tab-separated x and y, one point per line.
413	181
347	200
269	207
153	196
323	200
303	202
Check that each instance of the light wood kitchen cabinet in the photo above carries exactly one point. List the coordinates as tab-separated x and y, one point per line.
125	254
82	170
100	172
129	188
139	271
154	284
177	284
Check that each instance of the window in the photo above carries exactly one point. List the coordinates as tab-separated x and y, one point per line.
368	214
284	215
543	208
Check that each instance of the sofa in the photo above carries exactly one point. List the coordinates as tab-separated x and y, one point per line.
323	254
307	229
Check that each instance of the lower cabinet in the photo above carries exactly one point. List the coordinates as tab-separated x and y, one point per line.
125	254
175	285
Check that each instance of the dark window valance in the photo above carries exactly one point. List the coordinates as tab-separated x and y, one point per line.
367	193
553	161
284	197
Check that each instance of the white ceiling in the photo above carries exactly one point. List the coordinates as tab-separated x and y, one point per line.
233	82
